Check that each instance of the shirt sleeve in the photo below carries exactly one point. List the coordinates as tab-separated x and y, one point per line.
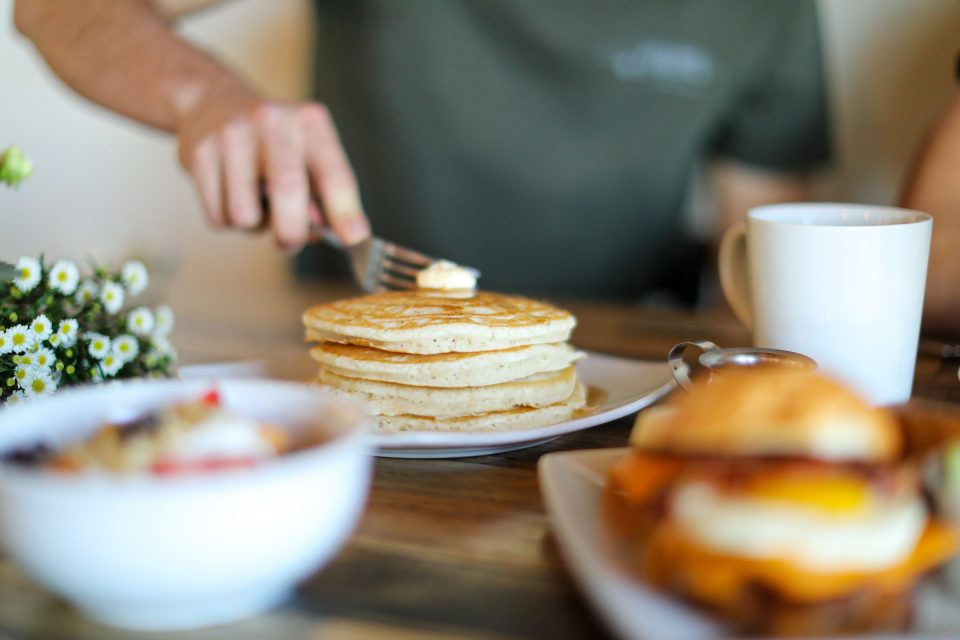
780	120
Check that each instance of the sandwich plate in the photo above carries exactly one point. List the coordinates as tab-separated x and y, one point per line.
624	386
572	483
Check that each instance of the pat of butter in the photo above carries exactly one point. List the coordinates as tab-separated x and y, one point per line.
447	276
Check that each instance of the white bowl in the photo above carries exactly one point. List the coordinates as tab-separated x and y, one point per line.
183	552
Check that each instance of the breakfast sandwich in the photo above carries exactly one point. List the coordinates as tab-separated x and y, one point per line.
779	501
436	360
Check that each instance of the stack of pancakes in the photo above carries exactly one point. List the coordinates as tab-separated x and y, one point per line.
430	361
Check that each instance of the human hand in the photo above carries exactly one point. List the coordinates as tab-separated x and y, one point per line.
233	144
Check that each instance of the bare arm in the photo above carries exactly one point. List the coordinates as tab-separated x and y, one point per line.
173	9
934	187
737	188
123	55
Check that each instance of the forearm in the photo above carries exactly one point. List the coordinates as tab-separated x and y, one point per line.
122	55
738	188
934	187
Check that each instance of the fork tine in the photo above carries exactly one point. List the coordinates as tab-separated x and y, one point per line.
407	255
378	264
401	269
389	280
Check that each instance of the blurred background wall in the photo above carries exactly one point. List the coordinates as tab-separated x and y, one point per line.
107	188
891	68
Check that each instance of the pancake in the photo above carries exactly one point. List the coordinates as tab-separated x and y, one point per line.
444	369
508	420
432	361
388	399
428	322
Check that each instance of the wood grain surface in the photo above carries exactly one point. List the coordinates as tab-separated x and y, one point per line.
455	548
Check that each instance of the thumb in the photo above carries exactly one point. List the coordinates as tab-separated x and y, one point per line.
344	214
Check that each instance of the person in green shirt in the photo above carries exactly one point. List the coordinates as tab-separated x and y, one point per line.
548	143
932	185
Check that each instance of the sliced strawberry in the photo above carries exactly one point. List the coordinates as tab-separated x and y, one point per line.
211	397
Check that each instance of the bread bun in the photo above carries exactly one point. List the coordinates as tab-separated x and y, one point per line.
771	412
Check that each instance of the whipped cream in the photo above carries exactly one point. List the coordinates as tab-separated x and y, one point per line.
447	276
873	538
220	436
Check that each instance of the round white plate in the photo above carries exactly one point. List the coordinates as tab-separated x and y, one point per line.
626	386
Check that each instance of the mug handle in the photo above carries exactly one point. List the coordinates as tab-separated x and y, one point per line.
734	279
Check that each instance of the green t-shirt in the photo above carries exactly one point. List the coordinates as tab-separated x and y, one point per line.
550	142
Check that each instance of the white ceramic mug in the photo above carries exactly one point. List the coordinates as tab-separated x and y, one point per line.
841	283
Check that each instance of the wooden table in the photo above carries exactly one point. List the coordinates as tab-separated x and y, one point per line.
457	548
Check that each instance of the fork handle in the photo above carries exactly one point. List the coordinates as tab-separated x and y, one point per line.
318	230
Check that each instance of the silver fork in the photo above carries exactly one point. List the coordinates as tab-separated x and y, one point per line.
380	265
377	264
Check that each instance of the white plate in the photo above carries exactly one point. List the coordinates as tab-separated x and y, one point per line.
572	483
629	385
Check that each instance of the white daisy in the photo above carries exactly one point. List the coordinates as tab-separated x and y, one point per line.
21	374
164	319
99	345
140	321
28	273
41	327
26	359
67	332
126	347
44	358
86	292
6	345
21	338
111	364
134	276
39	383
54	340
161	346
111	295
15	397
64	277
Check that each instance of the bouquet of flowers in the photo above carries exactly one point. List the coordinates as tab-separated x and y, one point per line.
57	329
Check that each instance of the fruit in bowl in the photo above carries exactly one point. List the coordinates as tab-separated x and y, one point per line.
160	505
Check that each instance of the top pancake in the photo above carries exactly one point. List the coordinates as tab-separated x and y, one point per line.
429	322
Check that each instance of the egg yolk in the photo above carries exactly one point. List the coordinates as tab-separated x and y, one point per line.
830	493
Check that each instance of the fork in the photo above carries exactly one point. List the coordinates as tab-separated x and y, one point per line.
379	264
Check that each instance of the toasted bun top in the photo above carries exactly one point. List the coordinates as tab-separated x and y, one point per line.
771	413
